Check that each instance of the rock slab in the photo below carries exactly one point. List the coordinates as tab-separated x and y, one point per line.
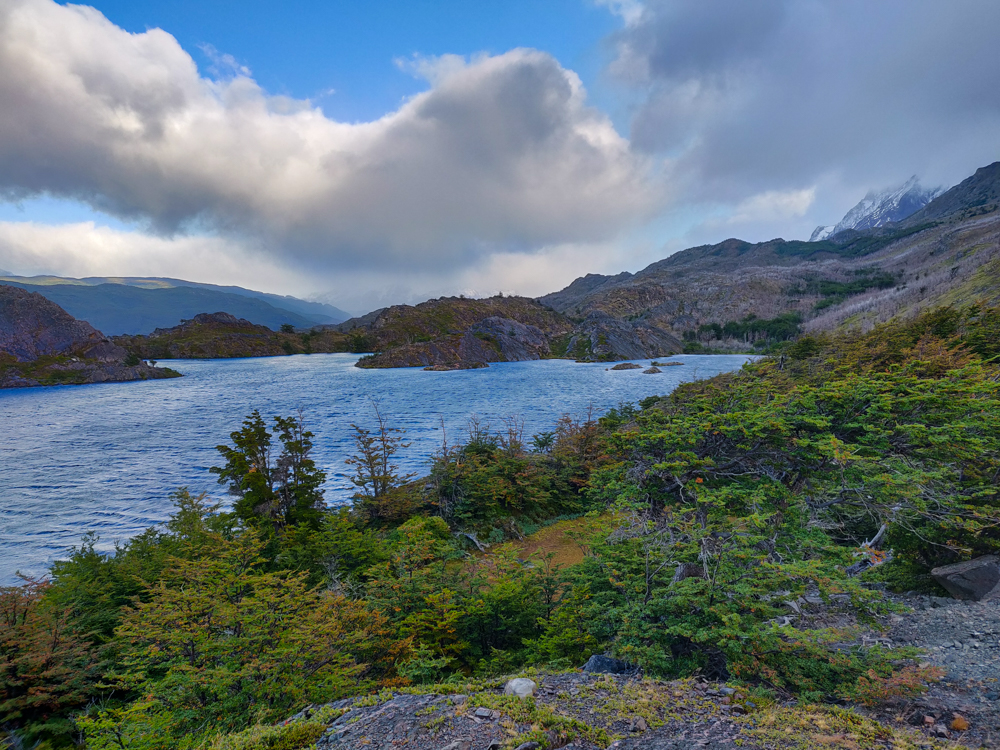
600	664
975	580
520	687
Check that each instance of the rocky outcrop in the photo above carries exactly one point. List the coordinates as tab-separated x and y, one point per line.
604	338
494	339
42	344
976	580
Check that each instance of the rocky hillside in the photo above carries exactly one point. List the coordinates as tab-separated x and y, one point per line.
42	344
949	251
221	335
455	332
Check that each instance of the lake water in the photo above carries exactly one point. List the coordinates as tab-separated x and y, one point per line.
104	458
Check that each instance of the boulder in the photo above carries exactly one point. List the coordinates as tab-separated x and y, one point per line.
652	371
688	570
976	580
627	366
521	687
600	664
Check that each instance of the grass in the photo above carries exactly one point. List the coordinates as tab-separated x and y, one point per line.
812	727
564	540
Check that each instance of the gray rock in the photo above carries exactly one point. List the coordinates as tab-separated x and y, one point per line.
688	570
600	664
458	745
652	371
31	327
609	338
976	580
521	687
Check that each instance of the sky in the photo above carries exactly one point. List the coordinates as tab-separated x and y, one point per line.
387	151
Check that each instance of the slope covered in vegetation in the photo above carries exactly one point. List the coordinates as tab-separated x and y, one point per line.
221	335
807	477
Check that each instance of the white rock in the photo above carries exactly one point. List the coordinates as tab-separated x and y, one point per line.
521	687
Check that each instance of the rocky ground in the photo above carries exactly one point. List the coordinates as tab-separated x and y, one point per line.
963	638
583	711
595	711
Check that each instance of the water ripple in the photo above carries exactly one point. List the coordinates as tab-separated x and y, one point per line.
104	458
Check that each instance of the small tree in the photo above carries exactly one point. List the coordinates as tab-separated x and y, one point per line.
376	475
45	667
282	492
220	643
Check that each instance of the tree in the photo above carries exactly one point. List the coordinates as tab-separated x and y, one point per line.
380	493
45	667
278	492
221	642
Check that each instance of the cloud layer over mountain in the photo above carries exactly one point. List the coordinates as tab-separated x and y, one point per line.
749	97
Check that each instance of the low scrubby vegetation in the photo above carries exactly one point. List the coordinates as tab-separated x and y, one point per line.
835	463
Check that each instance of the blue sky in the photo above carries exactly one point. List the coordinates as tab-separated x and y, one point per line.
304	48
386	151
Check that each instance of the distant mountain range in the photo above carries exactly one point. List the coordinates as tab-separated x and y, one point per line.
877	209
138	305
947	252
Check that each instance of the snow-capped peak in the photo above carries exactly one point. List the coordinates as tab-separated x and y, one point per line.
879	208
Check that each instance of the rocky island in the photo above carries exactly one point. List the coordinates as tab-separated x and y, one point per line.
42	344
222	335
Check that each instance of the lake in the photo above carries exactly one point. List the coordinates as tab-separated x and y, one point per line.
104	458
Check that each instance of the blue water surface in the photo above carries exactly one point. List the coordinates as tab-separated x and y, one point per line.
105	458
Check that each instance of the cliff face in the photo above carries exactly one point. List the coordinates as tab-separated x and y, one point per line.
42	344
494	339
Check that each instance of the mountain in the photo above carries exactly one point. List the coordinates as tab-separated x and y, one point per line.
117	308
975	196
736	293
879	209
42	344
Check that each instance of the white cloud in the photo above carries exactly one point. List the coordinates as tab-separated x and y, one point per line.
85	249
630	11
502	152
773	205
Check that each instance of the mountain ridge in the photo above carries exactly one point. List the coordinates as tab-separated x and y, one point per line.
138	304
882	207
944	253
119	309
